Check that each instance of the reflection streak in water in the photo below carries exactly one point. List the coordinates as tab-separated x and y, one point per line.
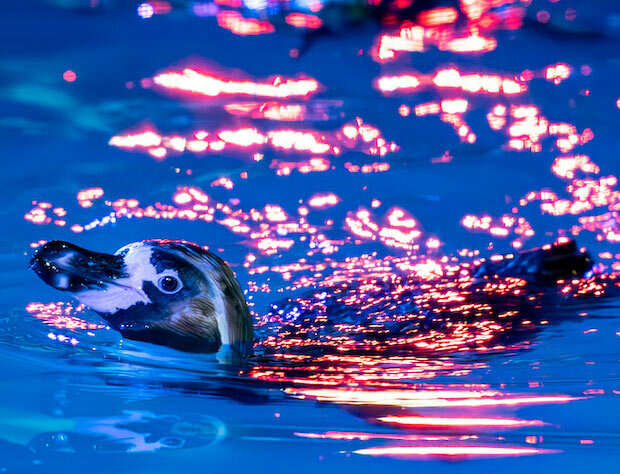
467	451
204	84
426	399
356	136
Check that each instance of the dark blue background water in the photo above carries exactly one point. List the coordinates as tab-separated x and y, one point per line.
108	405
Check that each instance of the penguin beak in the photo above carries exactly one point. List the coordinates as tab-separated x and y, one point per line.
67	267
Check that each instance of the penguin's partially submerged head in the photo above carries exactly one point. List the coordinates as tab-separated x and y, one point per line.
171	293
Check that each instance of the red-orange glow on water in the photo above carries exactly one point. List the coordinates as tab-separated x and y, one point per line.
302	20
474	83
284	168
474	43
356	362
268	110
557	73
446	293
438	16
585	192
439	27
606	226
425	398
37	244
503	227
451	111
38	214
366	436
265	228
414	39
497	117
230	3
409	39
526	128
447	422
394	83
371	168
429	108
481	12
567	166
145	139
237	24
452	78
399	230
61	315
69	75
323	200
86	197
207	85
451	451
475	8
223	182
429	445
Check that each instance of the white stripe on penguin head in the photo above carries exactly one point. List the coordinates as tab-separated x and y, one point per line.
126	292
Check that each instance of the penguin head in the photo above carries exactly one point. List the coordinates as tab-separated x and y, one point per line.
171	293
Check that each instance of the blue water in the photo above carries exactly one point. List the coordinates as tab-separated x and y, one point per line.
83	398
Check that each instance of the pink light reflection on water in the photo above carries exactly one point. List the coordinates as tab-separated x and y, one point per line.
355	135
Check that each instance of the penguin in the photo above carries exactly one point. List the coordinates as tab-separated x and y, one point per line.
179	295
171	293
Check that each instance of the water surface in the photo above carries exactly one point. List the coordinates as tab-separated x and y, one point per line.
350	178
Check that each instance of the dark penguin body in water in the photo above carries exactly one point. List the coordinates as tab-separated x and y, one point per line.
179	295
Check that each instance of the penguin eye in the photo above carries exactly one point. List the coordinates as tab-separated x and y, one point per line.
169	284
